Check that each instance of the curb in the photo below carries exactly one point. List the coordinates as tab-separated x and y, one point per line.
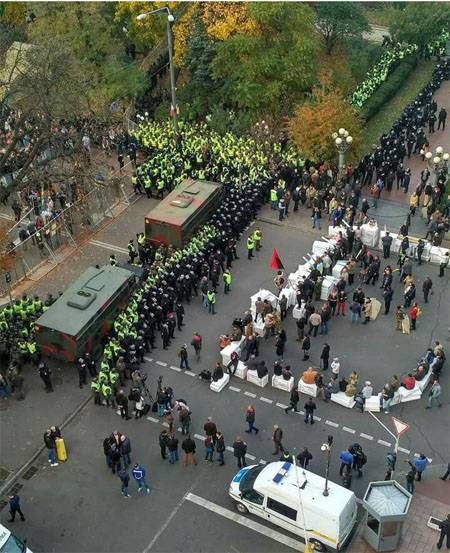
16	475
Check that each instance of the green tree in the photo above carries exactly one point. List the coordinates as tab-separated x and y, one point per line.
420	23
337	22
200	91
268	71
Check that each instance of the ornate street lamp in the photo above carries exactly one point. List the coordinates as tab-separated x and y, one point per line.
437	163
342	141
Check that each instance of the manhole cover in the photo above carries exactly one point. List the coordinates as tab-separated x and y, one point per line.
15	489
30	473
4	473
3	504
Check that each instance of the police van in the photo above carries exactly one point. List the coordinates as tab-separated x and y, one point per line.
9	543
273	492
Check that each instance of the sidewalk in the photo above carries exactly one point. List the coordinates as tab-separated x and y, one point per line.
430	498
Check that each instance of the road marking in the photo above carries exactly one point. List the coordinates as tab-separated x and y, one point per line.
331	423
366	436
266	400
281	405
190	373
229	448
175	368
251	457
152	419
161	363
233	389
106	246
347	429
198	437
244	521
402	449
262	462
148	359
249	394
382	442
318	419
7	217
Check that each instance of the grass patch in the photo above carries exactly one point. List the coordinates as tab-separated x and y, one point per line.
378	15
384	119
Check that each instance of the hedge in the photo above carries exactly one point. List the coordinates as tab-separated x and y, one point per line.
389	88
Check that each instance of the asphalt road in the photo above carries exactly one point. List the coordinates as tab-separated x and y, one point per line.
78	506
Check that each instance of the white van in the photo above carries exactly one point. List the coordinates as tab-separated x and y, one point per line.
272	492
9	543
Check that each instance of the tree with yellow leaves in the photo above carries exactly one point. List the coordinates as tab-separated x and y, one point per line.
314	122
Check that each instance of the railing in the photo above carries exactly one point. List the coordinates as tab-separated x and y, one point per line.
50	245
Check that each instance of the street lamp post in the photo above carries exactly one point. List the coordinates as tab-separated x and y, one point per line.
170	20
327	447
436	163
342	141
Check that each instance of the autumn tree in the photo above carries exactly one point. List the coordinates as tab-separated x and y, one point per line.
314	122
338	22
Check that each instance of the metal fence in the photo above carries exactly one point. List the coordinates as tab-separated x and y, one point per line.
38	254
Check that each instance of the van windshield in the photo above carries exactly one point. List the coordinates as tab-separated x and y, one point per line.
12	545
248	480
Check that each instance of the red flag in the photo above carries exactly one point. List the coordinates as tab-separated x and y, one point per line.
276	261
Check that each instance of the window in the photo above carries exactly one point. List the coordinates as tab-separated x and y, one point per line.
281	509
253	497
13	545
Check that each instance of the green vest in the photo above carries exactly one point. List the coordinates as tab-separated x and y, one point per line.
95	386
211	297
227	278
106	390
273	195
257	236
31	347
250	243
113	377
102	377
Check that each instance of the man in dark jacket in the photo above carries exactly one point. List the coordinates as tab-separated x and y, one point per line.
14	507
444	526
210	429
426	288
239	450
309	408
277	436
50	443
163	440
304	457
188	446
293	401
220	447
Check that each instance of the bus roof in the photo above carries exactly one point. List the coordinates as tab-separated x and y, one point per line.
84	299
312	493
178	206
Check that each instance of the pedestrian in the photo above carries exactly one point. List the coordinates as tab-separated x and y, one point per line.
346	459
220	448
250	419
443	264
335	368
444	526
227	279
359	459
209	449
14	507
309	408
197	344
239	451
277	436
210	429
125	450
172	447
188	447
391	460
414	312
124	480
50	442
122	403
447	472
183	355
293	401
410	478
441	121
420	465
306	346
45	374
355	311
426	288
434	395
250	247
179	312
139	477
304	457
184	416
163	440
211	298
325	356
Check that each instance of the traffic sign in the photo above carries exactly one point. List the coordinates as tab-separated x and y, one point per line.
400	426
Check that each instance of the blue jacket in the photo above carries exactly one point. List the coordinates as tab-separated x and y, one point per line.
138	472
346	457
14	502
420	464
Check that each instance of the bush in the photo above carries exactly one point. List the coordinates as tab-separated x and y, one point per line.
389	88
